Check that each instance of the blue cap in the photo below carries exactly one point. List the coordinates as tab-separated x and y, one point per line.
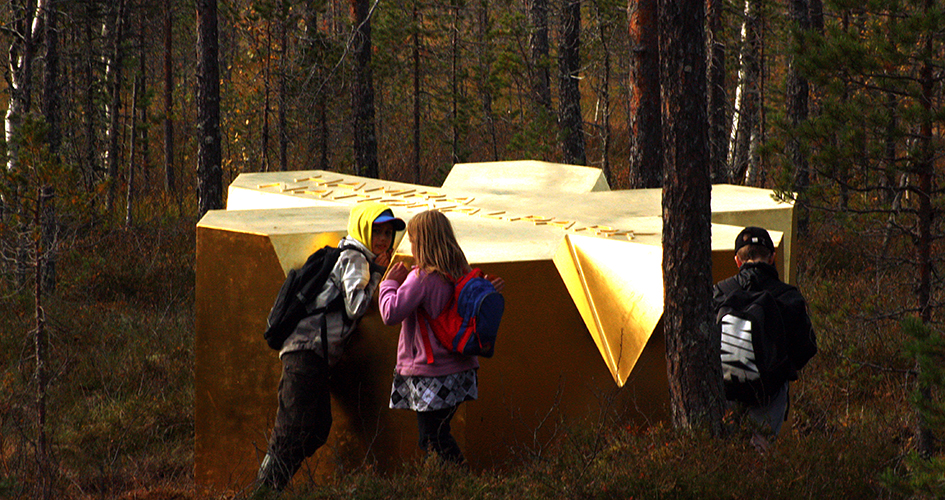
388	216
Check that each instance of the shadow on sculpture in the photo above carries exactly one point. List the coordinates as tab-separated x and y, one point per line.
580	341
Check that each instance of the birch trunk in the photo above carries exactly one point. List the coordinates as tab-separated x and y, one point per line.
22	52
745	118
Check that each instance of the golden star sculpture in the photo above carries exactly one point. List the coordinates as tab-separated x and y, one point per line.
580	335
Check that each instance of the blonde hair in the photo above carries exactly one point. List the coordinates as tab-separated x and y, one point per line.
435	246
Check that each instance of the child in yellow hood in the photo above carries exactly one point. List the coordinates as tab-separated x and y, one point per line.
303	419
373	225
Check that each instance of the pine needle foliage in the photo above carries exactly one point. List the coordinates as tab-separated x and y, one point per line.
918	476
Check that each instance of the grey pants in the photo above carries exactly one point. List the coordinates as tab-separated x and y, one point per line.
773	414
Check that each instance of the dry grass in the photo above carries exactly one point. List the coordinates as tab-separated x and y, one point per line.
121	398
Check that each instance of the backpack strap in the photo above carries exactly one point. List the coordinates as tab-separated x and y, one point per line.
423	320
334	305
324	332
337	304
729	286
426	322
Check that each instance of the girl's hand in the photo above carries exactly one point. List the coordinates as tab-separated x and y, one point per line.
496	281
383	259
398	272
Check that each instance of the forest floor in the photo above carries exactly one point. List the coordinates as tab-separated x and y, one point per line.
120	397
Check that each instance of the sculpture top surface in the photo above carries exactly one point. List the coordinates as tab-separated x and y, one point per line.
603	243
510	219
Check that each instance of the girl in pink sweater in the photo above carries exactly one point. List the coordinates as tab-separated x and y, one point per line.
433	390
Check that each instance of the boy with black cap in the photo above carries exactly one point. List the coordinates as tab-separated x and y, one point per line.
755	256
303	418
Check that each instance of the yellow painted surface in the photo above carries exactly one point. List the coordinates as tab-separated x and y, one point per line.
581	329
618	289
525	176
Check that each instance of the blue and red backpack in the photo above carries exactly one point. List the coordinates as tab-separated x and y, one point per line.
469	323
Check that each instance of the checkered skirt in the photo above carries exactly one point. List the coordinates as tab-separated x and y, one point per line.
433	393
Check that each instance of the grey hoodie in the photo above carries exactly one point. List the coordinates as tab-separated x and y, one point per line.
354	277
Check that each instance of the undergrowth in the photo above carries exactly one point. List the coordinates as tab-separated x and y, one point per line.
120	363
121	397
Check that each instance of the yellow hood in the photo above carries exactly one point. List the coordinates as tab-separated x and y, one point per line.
362	219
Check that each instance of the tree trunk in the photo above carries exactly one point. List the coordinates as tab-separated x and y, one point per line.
604	98
143	50
324	134
49	235
925	168
692	341
20	91
890	184
646	151
129	199
114	78
169	179
569	61
745	119
265	115
92	149
209	154
52	111
416	92
52	89
485	71
316	48
22	50
365	138
798	93
605	104
457	90
842	173
454	83
538	47
717	100
283	92
43	472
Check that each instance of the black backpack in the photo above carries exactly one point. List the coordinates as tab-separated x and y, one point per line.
296	298
755	359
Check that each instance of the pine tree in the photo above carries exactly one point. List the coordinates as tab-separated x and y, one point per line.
692	345
646	150
876	139
570	118
209	154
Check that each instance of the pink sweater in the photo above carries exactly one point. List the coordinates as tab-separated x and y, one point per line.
398	304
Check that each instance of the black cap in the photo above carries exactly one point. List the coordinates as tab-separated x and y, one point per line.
754	236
